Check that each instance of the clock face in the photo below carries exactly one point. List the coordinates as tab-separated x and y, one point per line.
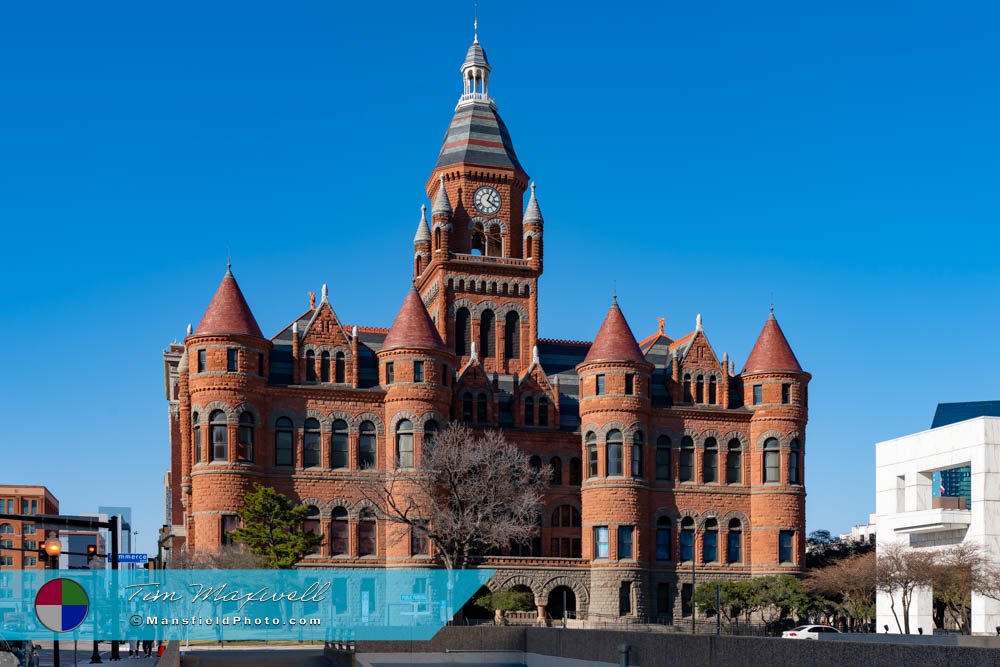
487	200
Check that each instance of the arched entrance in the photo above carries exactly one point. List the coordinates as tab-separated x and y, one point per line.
562	599
473	612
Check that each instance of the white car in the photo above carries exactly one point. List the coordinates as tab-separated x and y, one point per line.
808	632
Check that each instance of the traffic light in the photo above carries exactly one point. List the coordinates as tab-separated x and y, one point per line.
91	552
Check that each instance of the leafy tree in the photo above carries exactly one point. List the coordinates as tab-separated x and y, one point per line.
735	598
819	537
507	601
272	528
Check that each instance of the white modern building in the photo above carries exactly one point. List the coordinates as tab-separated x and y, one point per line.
915	507
862	532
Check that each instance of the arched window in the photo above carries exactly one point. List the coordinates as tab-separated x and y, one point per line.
566	516
528	248
555	463
710	462
637	444
477	242
575	471
591	442
535	463
687	539
772	460
244	436
494	241
220	435
663	472
339	368
613	444
687	387
481	409
793	463
430	432
366	533
437	238
6	529
404	444
663	538
512	336
310	366
543	411
711	390
324	366
284	449
467	408
487	334
366	445
338	532
338	445
463	331
734	462
734	542
686	463
700	390
312	525
311	456
196	433
710	542
529	411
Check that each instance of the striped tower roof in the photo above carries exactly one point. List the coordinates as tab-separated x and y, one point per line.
477	135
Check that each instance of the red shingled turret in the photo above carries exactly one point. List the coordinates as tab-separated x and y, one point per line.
413	327
229	312
772	352
615	340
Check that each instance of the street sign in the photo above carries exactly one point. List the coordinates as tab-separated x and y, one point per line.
141	559
416	598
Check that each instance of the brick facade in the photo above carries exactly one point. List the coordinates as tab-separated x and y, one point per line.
20	540
658	447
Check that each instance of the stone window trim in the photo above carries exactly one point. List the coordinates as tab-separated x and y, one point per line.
699	440
734	435
782	439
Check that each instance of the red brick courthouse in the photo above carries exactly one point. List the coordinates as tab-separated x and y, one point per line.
660	452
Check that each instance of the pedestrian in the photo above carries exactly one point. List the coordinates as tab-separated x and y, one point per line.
147	646
133	651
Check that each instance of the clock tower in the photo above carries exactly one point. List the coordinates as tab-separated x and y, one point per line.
478	271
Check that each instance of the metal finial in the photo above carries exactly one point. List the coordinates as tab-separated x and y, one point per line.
614	292
475	23
229	260
697	322
324	293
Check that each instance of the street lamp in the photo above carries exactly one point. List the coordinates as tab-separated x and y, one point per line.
52	547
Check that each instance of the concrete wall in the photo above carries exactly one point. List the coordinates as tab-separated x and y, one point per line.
587	647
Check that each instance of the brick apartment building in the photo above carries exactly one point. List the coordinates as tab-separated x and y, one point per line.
17	535
660	452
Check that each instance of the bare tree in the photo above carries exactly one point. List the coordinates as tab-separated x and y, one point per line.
957	572
473	493
901	570
849	585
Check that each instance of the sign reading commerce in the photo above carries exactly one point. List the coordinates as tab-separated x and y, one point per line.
227	605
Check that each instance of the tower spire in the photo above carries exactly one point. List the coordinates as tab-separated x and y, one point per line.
475	23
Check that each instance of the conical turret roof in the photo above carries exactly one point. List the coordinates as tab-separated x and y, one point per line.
229	312
413	327
423	232
772	352
533	213
614	341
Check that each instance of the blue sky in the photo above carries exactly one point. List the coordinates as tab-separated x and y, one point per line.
704	156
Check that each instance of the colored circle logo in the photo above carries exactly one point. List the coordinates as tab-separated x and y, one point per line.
61	605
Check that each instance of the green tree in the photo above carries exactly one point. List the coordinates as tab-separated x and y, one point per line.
272	529
735	599
507	601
